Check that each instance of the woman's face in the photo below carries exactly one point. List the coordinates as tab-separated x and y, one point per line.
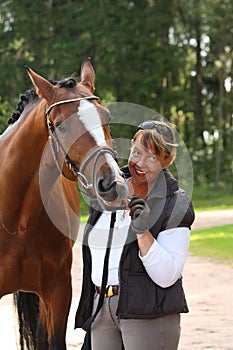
143	165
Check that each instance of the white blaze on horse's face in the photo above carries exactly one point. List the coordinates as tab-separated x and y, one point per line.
91	120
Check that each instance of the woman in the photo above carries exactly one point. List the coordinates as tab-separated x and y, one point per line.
144	295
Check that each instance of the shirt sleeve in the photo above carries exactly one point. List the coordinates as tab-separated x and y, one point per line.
165	260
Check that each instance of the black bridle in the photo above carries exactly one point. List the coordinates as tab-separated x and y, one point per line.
57	147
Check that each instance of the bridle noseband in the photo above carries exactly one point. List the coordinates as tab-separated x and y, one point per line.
57	147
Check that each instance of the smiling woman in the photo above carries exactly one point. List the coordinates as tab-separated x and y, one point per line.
143	294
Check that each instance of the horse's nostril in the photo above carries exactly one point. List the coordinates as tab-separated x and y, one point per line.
112	190
105	185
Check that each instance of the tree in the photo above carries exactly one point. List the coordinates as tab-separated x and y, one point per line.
173	56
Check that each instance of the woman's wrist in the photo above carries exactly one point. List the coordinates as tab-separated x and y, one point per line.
145	241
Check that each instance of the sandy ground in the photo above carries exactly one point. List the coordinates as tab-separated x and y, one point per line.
208	287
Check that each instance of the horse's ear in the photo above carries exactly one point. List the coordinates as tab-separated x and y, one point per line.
88	75
44	88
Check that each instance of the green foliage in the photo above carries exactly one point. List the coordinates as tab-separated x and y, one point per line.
166	55
214	242
4	113
84	204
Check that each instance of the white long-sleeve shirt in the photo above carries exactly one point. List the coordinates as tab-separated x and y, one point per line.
163	262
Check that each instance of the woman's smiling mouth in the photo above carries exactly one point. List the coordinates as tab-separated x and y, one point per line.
139	172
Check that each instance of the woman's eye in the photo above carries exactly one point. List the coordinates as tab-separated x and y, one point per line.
153	159
135	152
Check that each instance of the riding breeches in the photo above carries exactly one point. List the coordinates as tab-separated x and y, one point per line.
109	332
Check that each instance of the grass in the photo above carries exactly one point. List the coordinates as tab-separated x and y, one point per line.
207	197
214	242
84	218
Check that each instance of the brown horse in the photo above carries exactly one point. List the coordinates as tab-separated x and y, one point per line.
39	205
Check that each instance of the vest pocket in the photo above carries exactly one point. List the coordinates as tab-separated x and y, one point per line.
143	296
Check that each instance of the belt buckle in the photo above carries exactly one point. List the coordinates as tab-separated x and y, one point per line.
109	292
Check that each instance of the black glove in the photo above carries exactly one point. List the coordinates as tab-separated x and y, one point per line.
139	212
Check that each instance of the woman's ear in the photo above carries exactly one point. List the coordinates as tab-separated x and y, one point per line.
167	161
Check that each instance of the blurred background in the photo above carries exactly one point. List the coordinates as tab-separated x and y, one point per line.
172	56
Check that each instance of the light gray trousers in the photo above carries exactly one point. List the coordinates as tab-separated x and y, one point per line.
108	332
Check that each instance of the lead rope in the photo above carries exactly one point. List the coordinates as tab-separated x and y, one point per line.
88	323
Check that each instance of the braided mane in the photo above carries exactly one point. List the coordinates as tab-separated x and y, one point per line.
31	95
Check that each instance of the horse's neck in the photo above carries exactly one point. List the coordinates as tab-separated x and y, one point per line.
21	150
22	146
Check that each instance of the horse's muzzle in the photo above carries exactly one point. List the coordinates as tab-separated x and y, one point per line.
113	192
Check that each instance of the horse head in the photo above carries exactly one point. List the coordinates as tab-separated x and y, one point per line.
79	132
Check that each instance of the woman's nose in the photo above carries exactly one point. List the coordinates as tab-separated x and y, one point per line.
140	161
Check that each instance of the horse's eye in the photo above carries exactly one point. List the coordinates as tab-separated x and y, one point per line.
61	127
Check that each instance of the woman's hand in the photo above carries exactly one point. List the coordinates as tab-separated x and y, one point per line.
139	212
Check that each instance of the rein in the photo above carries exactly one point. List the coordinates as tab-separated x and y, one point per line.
57	147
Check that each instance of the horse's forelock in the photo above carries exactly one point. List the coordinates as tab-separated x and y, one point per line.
67	82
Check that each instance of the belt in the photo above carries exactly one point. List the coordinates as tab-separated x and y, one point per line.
109	292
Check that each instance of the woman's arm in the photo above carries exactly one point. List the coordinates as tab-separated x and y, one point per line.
164	258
